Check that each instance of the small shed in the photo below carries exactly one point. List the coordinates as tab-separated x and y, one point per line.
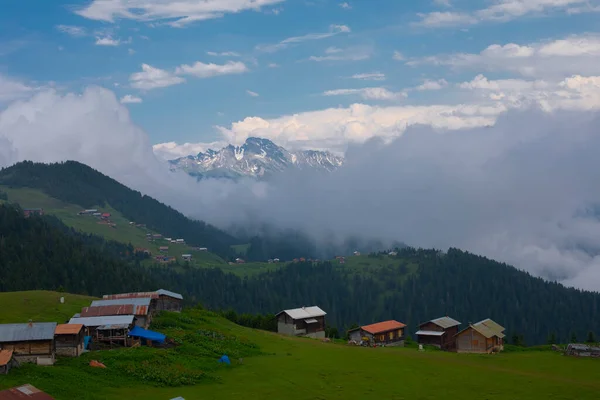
68	339
24	392
109	329
304	321
7	361
439	332
390	333
485	336
31	342
582	350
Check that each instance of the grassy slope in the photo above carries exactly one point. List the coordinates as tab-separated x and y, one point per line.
125	233
296	368
40	306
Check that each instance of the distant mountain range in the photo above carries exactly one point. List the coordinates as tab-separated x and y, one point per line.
257	158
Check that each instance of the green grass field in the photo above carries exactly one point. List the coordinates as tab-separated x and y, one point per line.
277	367
40	306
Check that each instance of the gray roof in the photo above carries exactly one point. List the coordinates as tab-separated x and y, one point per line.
100	321
487	328
304	312
445	322
25	332
430	333
117	326
136	301
164	292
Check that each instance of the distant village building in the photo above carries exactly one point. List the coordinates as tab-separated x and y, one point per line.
392	253
97	214
87	212
141	307
483	337
24	392
582	350
276	260
105	215
356	253
31	342
270	261
163	249
439	332
68	339
390	333
7	361
180	241
304	321
157	236
27	212
168	239
186	257
239	261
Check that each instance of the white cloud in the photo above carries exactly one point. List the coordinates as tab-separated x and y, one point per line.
504	11
443	3
347	54
432	85
76	31
577	54
223	54
373	76
333	30
398	56
273	65
153	78
202	70
345	5
130	99
130	51
11	89
172	150
107	41
178	12
372	93
251	93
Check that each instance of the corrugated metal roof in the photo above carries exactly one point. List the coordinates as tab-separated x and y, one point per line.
445	322
164	292
24	392
384	326
68	329
113	326
5	357
152	295
487	324
137	301
27	332
430	333
107	320
101	311
304	312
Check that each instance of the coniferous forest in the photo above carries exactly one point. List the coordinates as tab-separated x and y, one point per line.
41	253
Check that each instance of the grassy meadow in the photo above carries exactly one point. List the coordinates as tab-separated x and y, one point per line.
40	306
269	366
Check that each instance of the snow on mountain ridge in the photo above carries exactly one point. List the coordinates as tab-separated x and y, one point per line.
257	157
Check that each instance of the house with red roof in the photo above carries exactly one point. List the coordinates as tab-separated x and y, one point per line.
389	333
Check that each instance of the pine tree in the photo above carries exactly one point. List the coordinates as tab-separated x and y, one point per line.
591	337
552	338
573	338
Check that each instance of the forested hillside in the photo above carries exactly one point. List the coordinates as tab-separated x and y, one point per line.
414	286
76	183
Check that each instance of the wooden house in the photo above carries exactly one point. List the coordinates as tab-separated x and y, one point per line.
111	330
483	337
186	257
68	339
24	392
582	350
439	332
163	249
31	342
390	333
7	361
162	300
27	212
141	307
305	321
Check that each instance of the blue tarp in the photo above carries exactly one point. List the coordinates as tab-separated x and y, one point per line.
225	360
146	334
86	342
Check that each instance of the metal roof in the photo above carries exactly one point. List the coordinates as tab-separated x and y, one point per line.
5	357
68	329
113	326
152	295
311	321
304	312
491	326
430	333
163	292
136	301
27	332
101	311
107	320
445	322
384	326
24	392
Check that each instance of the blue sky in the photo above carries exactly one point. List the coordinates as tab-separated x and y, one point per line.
105	42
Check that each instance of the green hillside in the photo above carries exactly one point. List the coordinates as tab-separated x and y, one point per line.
40	306
277	367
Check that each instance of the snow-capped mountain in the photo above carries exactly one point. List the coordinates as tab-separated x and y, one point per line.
259	158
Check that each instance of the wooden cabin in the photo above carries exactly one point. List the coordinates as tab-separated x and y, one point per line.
483	337
141	307
68	339
389	333
31	342
439	332
7	361
162	300
304	321
111	330
24	392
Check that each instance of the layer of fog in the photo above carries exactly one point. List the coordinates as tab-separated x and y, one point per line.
519	192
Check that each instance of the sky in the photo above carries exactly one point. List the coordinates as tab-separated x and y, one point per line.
469	124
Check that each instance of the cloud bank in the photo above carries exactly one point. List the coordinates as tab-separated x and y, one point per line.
522	191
